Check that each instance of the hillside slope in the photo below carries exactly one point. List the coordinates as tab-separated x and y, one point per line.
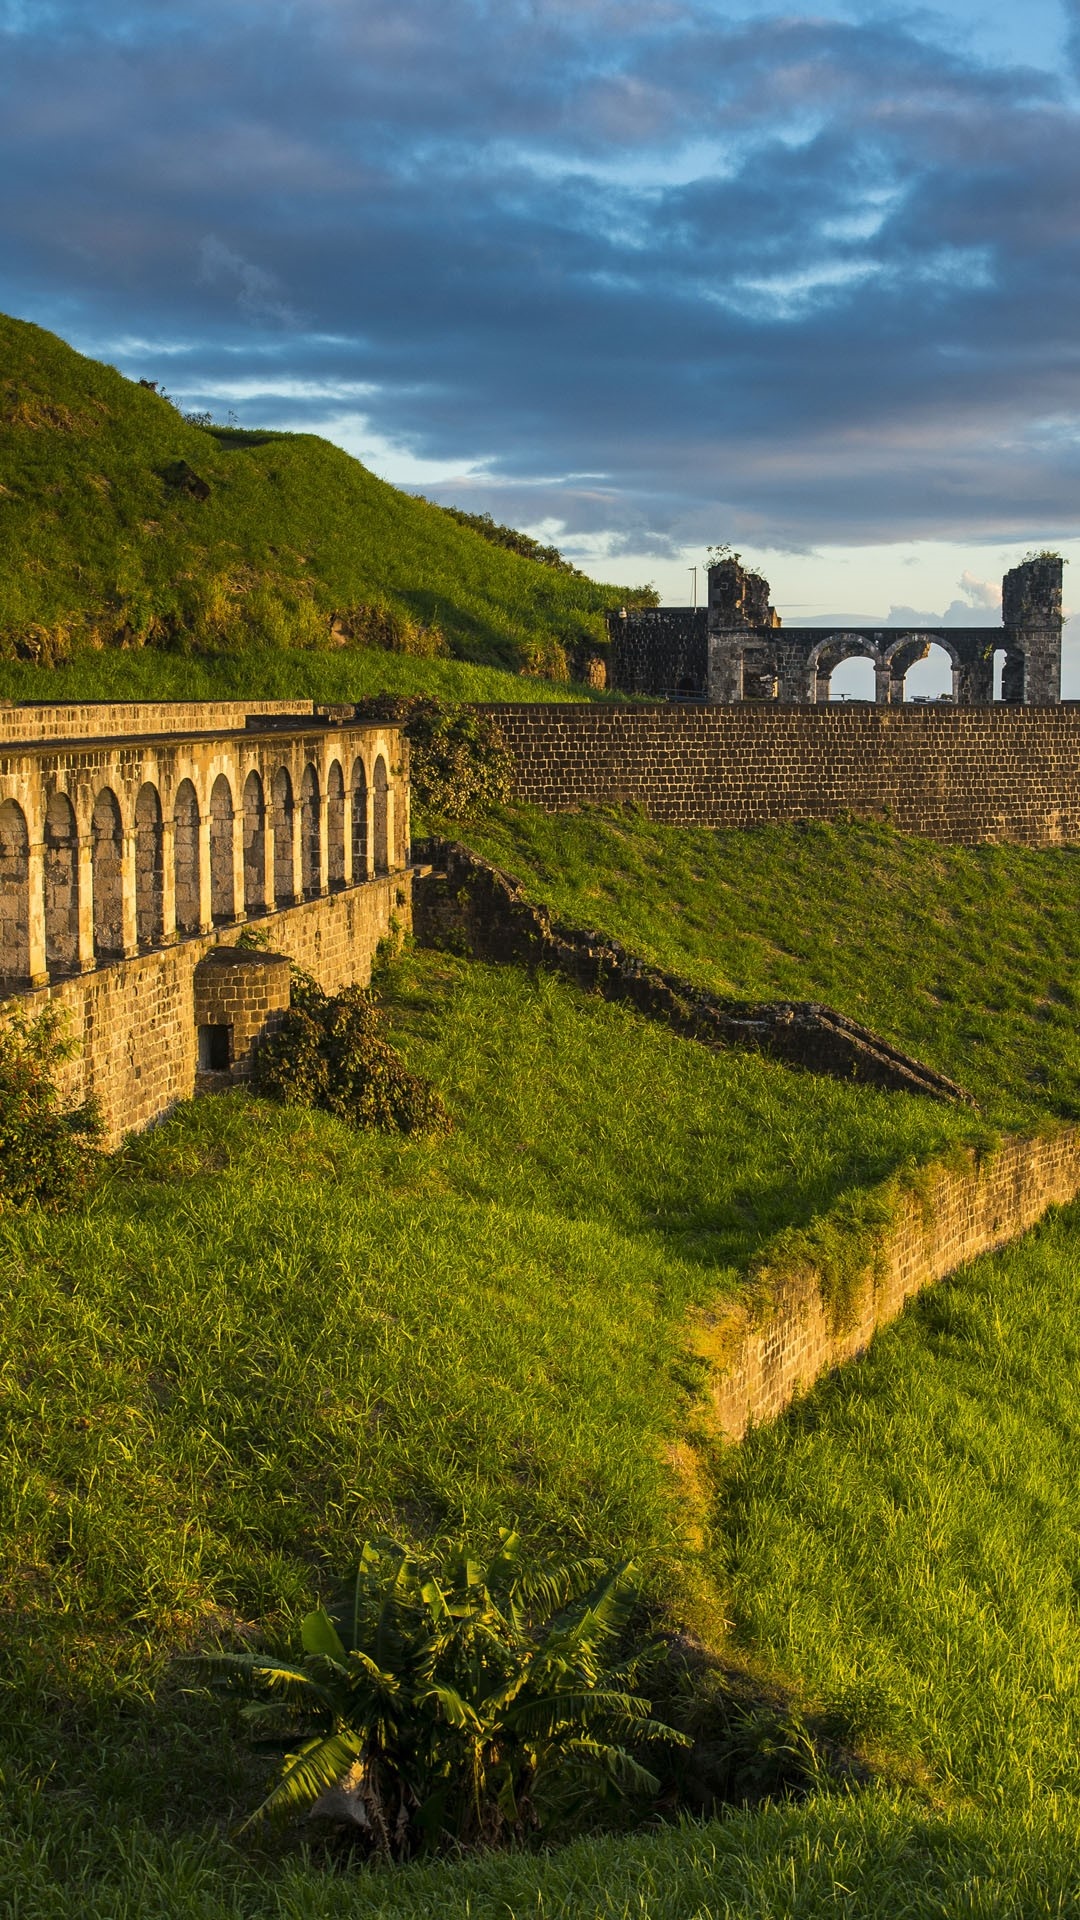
123	523
963	956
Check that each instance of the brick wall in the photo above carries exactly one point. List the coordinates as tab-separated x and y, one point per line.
954	774
776	1348
109	719
134	1021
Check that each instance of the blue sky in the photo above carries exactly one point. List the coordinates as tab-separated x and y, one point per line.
637	274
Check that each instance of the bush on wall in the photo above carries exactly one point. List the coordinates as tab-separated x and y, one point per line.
329	1052
47	1155
460	764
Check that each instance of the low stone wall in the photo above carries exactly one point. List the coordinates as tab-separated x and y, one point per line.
127	719
960	774
471	906
767	1350
134	1021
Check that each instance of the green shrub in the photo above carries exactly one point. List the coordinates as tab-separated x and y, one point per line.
460	764
464	1703
329	1052
46	1154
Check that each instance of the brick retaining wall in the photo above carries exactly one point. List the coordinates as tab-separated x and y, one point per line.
134	1021
772	1350
955	774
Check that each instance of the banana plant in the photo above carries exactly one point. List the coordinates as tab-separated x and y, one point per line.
469	1702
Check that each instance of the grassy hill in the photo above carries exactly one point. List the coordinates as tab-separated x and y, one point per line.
964	956
123	524
268	1335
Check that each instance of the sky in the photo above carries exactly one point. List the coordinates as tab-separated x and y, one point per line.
638	276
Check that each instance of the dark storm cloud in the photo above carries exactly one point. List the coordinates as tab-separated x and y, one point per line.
660	273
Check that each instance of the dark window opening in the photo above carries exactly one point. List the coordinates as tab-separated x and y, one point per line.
215	1049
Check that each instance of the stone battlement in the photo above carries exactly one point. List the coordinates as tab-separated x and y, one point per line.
126	857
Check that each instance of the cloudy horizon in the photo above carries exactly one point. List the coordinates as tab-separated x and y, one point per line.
634	276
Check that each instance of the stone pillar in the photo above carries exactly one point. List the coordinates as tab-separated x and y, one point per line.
393	861
168	880
239	890
206	912
85	844
35	878
323	876
129	925
887	691
726	666
369	833
297	844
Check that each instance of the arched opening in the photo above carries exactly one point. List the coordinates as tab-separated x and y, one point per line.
929	678
222	899
1013	677
108	877
282	815
851	679
359	821
309	832
149	868
335	826
254	845
381	821
186	857
61	886
14	896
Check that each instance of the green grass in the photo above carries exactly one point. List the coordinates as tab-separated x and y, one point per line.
966	956
98	542
284	673
906	1544
269	1336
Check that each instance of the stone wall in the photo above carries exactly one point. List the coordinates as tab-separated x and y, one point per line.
468	905
660	650
111	719
953	774
135	1021
776	1347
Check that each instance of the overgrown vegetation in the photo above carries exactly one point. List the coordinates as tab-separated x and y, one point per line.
329	1051
457	1702
48	1149
459	764
125	525
964	956
268	1335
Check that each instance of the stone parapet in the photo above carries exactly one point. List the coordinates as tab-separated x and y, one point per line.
953	774
766	1350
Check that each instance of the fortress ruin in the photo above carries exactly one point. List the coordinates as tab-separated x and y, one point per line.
735	648
138	842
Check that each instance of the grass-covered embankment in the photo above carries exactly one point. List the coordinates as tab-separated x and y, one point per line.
123	523
966	957
269	1336
270	673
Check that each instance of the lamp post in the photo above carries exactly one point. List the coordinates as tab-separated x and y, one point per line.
693	570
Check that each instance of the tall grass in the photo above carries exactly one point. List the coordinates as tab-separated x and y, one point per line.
122	520
966	956
907	1542
285	673
269	1336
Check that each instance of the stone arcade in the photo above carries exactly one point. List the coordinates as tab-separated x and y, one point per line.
133	839
735	648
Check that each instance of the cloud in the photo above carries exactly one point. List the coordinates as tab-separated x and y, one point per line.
257	292
785	280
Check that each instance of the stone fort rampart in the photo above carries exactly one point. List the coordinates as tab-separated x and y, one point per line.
134	841
963	774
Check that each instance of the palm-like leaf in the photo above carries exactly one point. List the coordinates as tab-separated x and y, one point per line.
469	1697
